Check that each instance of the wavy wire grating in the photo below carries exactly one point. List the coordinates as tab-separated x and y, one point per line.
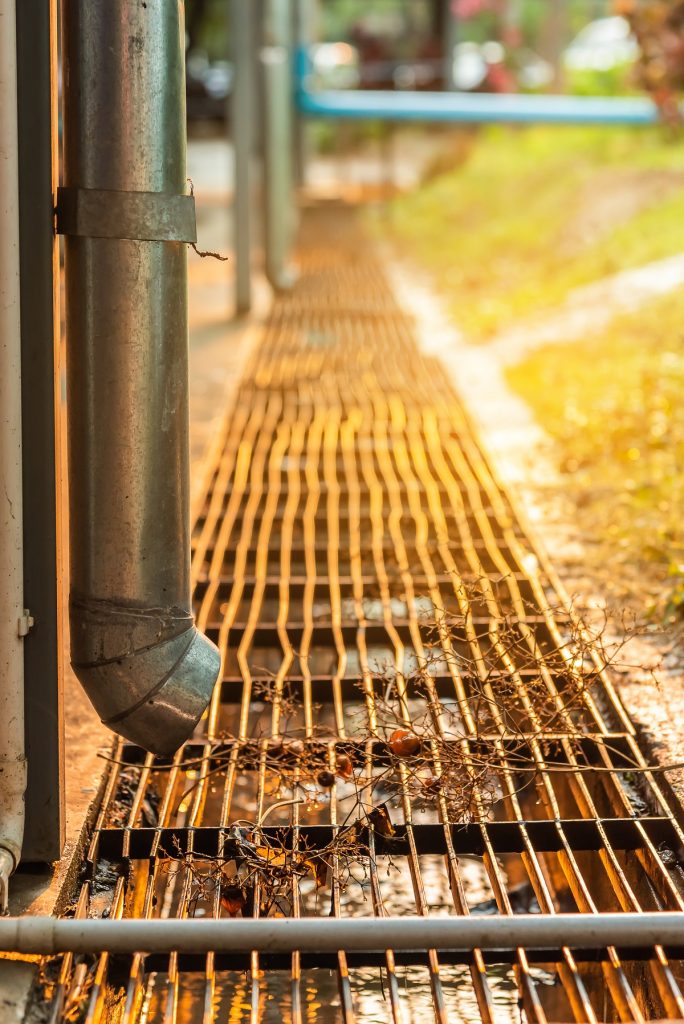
410	721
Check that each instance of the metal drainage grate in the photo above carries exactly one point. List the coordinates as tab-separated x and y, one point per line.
409	720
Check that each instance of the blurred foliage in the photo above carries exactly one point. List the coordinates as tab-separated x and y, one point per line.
207	24
337	18
409	21
617	81
533	213
614	404
659	28
483	19
334	137
530	215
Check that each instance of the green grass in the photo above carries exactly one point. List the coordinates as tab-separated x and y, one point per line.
500	236
614	405
498	233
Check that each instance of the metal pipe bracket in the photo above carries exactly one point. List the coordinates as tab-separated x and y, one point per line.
139	216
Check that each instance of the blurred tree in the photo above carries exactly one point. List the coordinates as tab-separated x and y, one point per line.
437	10
553	39
511	17
659	29
206	27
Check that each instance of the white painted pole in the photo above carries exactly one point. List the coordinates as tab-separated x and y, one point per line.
46	935
13	622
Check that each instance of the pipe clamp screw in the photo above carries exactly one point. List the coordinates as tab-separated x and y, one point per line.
25	623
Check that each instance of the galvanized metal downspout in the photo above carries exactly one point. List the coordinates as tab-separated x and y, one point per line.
134	645
13	621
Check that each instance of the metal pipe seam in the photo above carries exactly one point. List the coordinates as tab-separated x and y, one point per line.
48	935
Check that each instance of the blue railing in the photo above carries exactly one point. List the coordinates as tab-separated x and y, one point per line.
477	108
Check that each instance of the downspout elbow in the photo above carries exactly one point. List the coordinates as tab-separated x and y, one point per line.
149	672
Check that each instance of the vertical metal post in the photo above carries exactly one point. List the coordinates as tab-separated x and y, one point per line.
41	394
242	116
303	18
279	209
450	31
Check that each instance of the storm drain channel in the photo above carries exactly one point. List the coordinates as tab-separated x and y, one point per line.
410	721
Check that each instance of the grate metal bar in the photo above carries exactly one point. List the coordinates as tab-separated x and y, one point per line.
363	571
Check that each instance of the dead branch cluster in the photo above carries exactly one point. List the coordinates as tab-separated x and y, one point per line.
413	750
